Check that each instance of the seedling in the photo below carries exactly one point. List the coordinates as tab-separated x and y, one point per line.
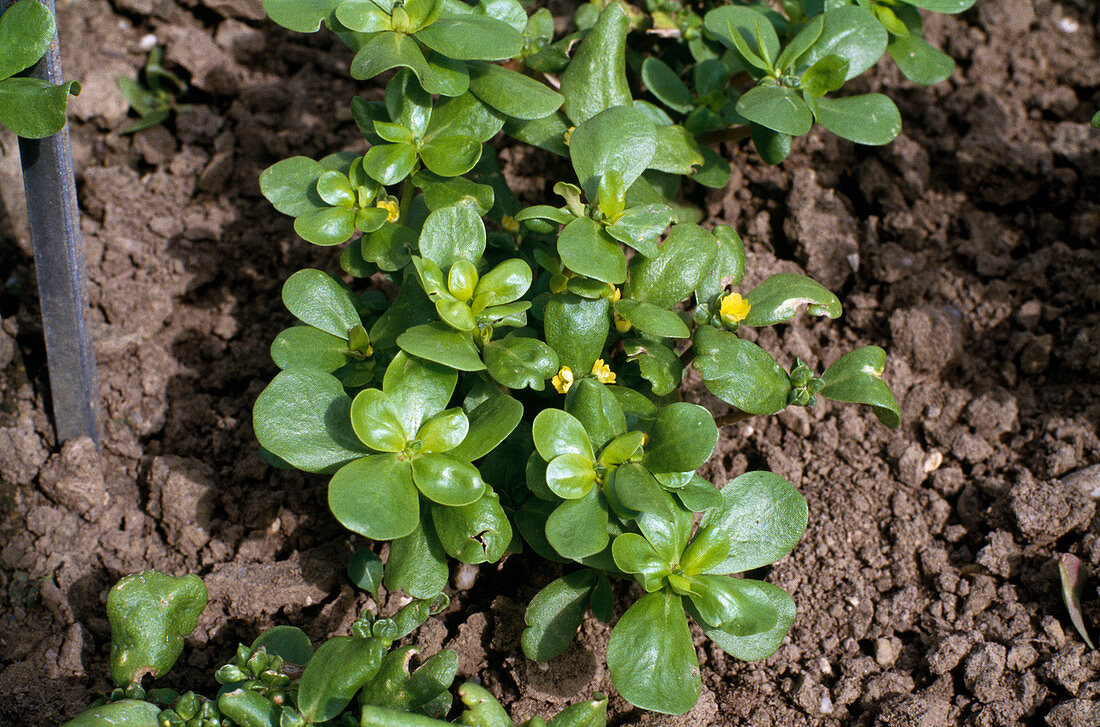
280	680
154	94
29	107
520	391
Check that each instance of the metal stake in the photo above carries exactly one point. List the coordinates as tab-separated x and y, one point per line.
59	264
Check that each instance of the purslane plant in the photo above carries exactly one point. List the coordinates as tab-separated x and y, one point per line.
280	680
519	388
29	107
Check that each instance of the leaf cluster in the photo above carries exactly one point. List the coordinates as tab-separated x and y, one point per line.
280	680
518	387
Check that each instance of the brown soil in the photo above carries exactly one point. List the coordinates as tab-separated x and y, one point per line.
927	587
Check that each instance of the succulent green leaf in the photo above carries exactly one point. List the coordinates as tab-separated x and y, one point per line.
621	448
698	495
777	108
451	234
376	423
729	604
576	328
301	16
482	709
417	390
740	373
441	192
555	614
26	30
870	118
375	497
306	346
444	431
32	108
386	50
390	163
150	615
728	269
620	138
825	76
578	528
475	533
290	643
598	411
472	38
570	476
128	712
707	549
490	424
440	343
651	656
451	156
665	279
747	30
612	194
317	299
417	563
589	713
513	94
464	115
595	79
657	363
850	32
778	299
304	418
663	83
800	43
447	480
943	6
772	146
388	248
503	284
338	670
762	645
520	362
677	151
556	432
634	554
641	227
652	319
290	186
363	17
856	377
326	227
546	133
920	62
682	439
365	571
247	707
586	249
762	515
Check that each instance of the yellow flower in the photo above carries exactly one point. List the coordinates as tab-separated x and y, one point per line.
616	294
392	209
569	134
563	380
509	223
622	325
733	309
603	372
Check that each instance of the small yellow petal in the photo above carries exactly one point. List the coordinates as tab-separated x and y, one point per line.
563	380
392	209
569	134
509	223
733	309
603	372
622	325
